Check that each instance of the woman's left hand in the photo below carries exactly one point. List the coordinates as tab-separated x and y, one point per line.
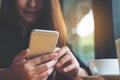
68	65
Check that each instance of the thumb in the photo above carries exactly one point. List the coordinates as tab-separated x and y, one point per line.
56	49
22	55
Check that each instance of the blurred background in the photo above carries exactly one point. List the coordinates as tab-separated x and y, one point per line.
79	19
93	26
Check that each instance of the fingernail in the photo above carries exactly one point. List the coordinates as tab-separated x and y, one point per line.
65	69
56	56
58	64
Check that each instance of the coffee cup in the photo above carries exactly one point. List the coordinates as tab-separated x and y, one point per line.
104	67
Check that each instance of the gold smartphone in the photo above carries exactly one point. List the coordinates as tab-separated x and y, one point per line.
42	42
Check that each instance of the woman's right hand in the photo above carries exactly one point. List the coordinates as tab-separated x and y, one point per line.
38	68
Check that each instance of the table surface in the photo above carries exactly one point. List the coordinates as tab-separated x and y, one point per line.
105	77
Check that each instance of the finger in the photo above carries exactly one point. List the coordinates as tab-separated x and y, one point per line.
56	49
69	68
64	60
45	74
22	55
42	59
45	66
63	51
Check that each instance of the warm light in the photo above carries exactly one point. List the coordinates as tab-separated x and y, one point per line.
86	26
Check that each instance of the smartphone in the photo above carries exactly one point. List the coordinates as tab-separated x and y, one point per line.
42	42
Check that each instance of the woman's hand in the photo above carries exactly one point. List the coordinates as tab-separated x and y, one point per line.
38	68
68	65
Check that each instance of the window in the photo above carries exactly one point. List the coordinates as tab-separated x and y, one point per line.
79	19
